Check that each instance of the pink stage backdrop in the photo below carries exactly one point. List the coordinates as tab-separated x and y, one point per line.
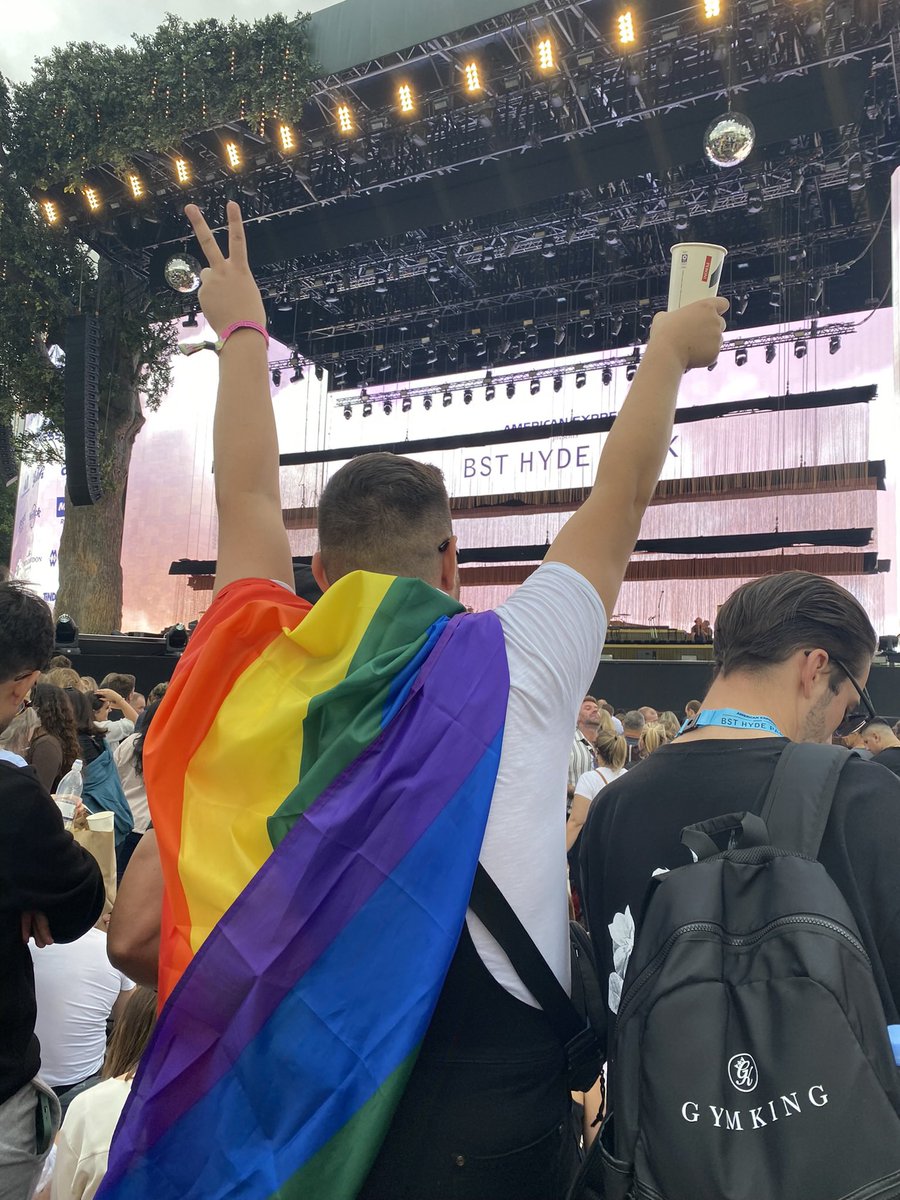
171	486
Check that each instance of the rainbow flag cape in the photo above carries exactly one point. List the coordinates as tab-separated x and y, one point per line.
320	783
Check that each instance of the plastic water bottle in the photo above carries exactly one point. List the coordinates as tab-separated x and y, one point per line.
68	794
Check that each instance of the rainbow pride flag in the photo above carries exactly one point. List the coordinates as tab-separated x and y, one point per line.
320	782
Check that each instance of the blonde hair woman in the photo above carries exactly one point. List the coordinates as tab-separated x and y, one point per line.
612	751
652	737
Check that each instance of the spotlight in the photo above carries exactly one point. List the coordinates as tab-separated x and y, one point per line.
434	273
177	638
489	390
856	174
545	54
560	335
633	364
627	34
426	402
580	377
612	236
548	246
381	282
510	390
285	304
320	371
557	382
615	325
287	138
800	348
754	201
366	403
467	396
681	220
92	198
775	298
385	364
388	408
487	260
297	374
740	356
405	402
233	155
431	357
712	10
65	637
606	375
447	398
50	211
276	376
473	77
588	329
348	412
138	191
480	348
834	345
344	118
741	302
535	385
770	353
340	372
532	340
405	98
182	171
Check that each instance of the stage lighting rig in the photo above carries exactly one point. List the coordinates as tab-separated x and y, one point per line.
625	28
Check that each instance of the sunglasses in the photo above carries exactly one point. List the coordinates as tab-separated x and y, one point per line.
444	544
854	721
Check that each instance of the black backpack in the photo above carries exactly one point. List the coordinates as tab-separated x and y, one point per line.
751	1059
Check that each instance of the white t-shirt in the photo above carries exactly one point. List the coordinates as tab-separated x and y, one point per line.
132	783
82	1148
115	731
554	626
591	783
76	986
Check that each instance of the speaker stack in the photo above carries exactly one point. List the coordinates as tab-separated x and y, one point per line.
81	413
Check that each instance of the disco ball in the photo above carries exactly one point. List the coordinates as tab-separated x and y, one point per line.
729	139
183	273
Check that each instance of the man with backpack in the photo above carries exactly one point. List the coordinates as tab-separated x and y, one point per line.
749	988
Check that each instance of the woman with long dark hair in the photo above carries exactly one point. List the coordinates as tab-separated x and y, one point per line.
102	788
129	760
54	744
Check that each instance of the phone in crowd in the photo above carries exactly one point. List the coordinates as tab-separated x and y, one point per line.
43	1124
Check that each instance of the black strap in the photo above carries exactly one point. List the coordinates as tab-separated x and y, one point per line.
700	838
492	908
798	802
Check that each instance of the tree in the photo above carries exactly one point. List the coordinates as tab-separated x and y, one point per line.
89	105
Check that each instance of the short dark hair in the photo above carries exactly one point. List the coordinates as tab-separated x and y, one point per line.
26	630
384	513
693	706
766	621
123	684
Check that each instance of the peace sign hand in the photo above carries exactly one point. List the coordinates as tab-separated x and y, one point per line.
228	291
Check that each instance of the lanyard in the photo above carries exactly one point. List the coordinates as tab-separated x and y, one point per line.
731	718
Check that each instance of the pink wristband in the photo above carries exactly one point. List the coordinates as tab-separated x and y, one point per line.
226	333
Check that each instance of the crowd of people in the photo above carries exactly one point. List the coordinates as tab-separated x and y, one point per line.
329	791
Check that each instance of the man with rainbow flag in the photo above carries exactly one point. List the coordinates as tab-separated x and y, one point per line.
335	1024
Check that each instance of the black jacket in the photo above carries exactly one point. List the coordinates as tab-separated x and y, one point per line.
42	869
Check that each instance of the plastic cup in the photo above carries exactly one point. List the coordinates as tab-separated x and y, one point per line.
104	822
696	272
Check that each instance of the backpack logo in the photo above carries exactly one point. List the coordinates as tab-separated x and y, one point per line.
742	1072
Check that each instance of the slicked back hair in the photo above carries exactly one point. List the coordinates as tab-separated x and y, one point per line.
384	513
767	621
26	631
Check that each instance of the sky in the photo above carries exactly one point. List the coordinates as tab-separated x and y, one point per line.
33	30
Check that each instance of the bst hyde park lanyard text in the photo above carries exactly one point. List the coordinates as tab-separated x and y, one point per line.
731	718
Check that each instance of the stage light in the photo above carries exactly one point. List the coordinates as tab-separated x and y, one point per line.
385	364
834	345
50	211
348	412
233	155
182	273
800	348
480	348
606	375
626	28
433	274
633	364
345	118
297	373
588	329
770	353
426	402
559	336
285	304
548	246
367	408
431	357
681	220
712	10
447	398
754	201
405	402
473	77
510	390
381	282
741	302
276	377
287	138
138	191
611	235
65	638
92	196
856	174
615	324
740	356
535	385
405	98
487	260
545	54
490	391
532	340
182	171
340	372
320	371
467	396
388	408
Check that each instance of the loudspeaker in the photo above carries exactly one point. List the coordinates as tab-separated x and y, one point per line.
81	425
9	463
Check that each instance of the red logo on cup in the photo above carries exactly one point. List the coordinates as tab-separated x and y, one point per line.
706	267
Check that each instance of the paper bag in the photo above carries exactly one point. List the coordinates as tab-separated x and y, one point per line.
102	845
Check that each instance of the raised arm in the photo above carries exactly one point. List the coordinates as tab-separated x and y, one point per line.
598	539
253	542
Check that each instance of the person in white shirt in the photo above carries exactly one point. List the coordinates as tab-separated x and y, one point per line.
77	990
612	751
120	728
82	1149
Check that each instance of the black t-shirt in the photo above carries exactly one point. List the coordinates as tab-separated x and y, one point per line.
635	827
889	758
42	869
